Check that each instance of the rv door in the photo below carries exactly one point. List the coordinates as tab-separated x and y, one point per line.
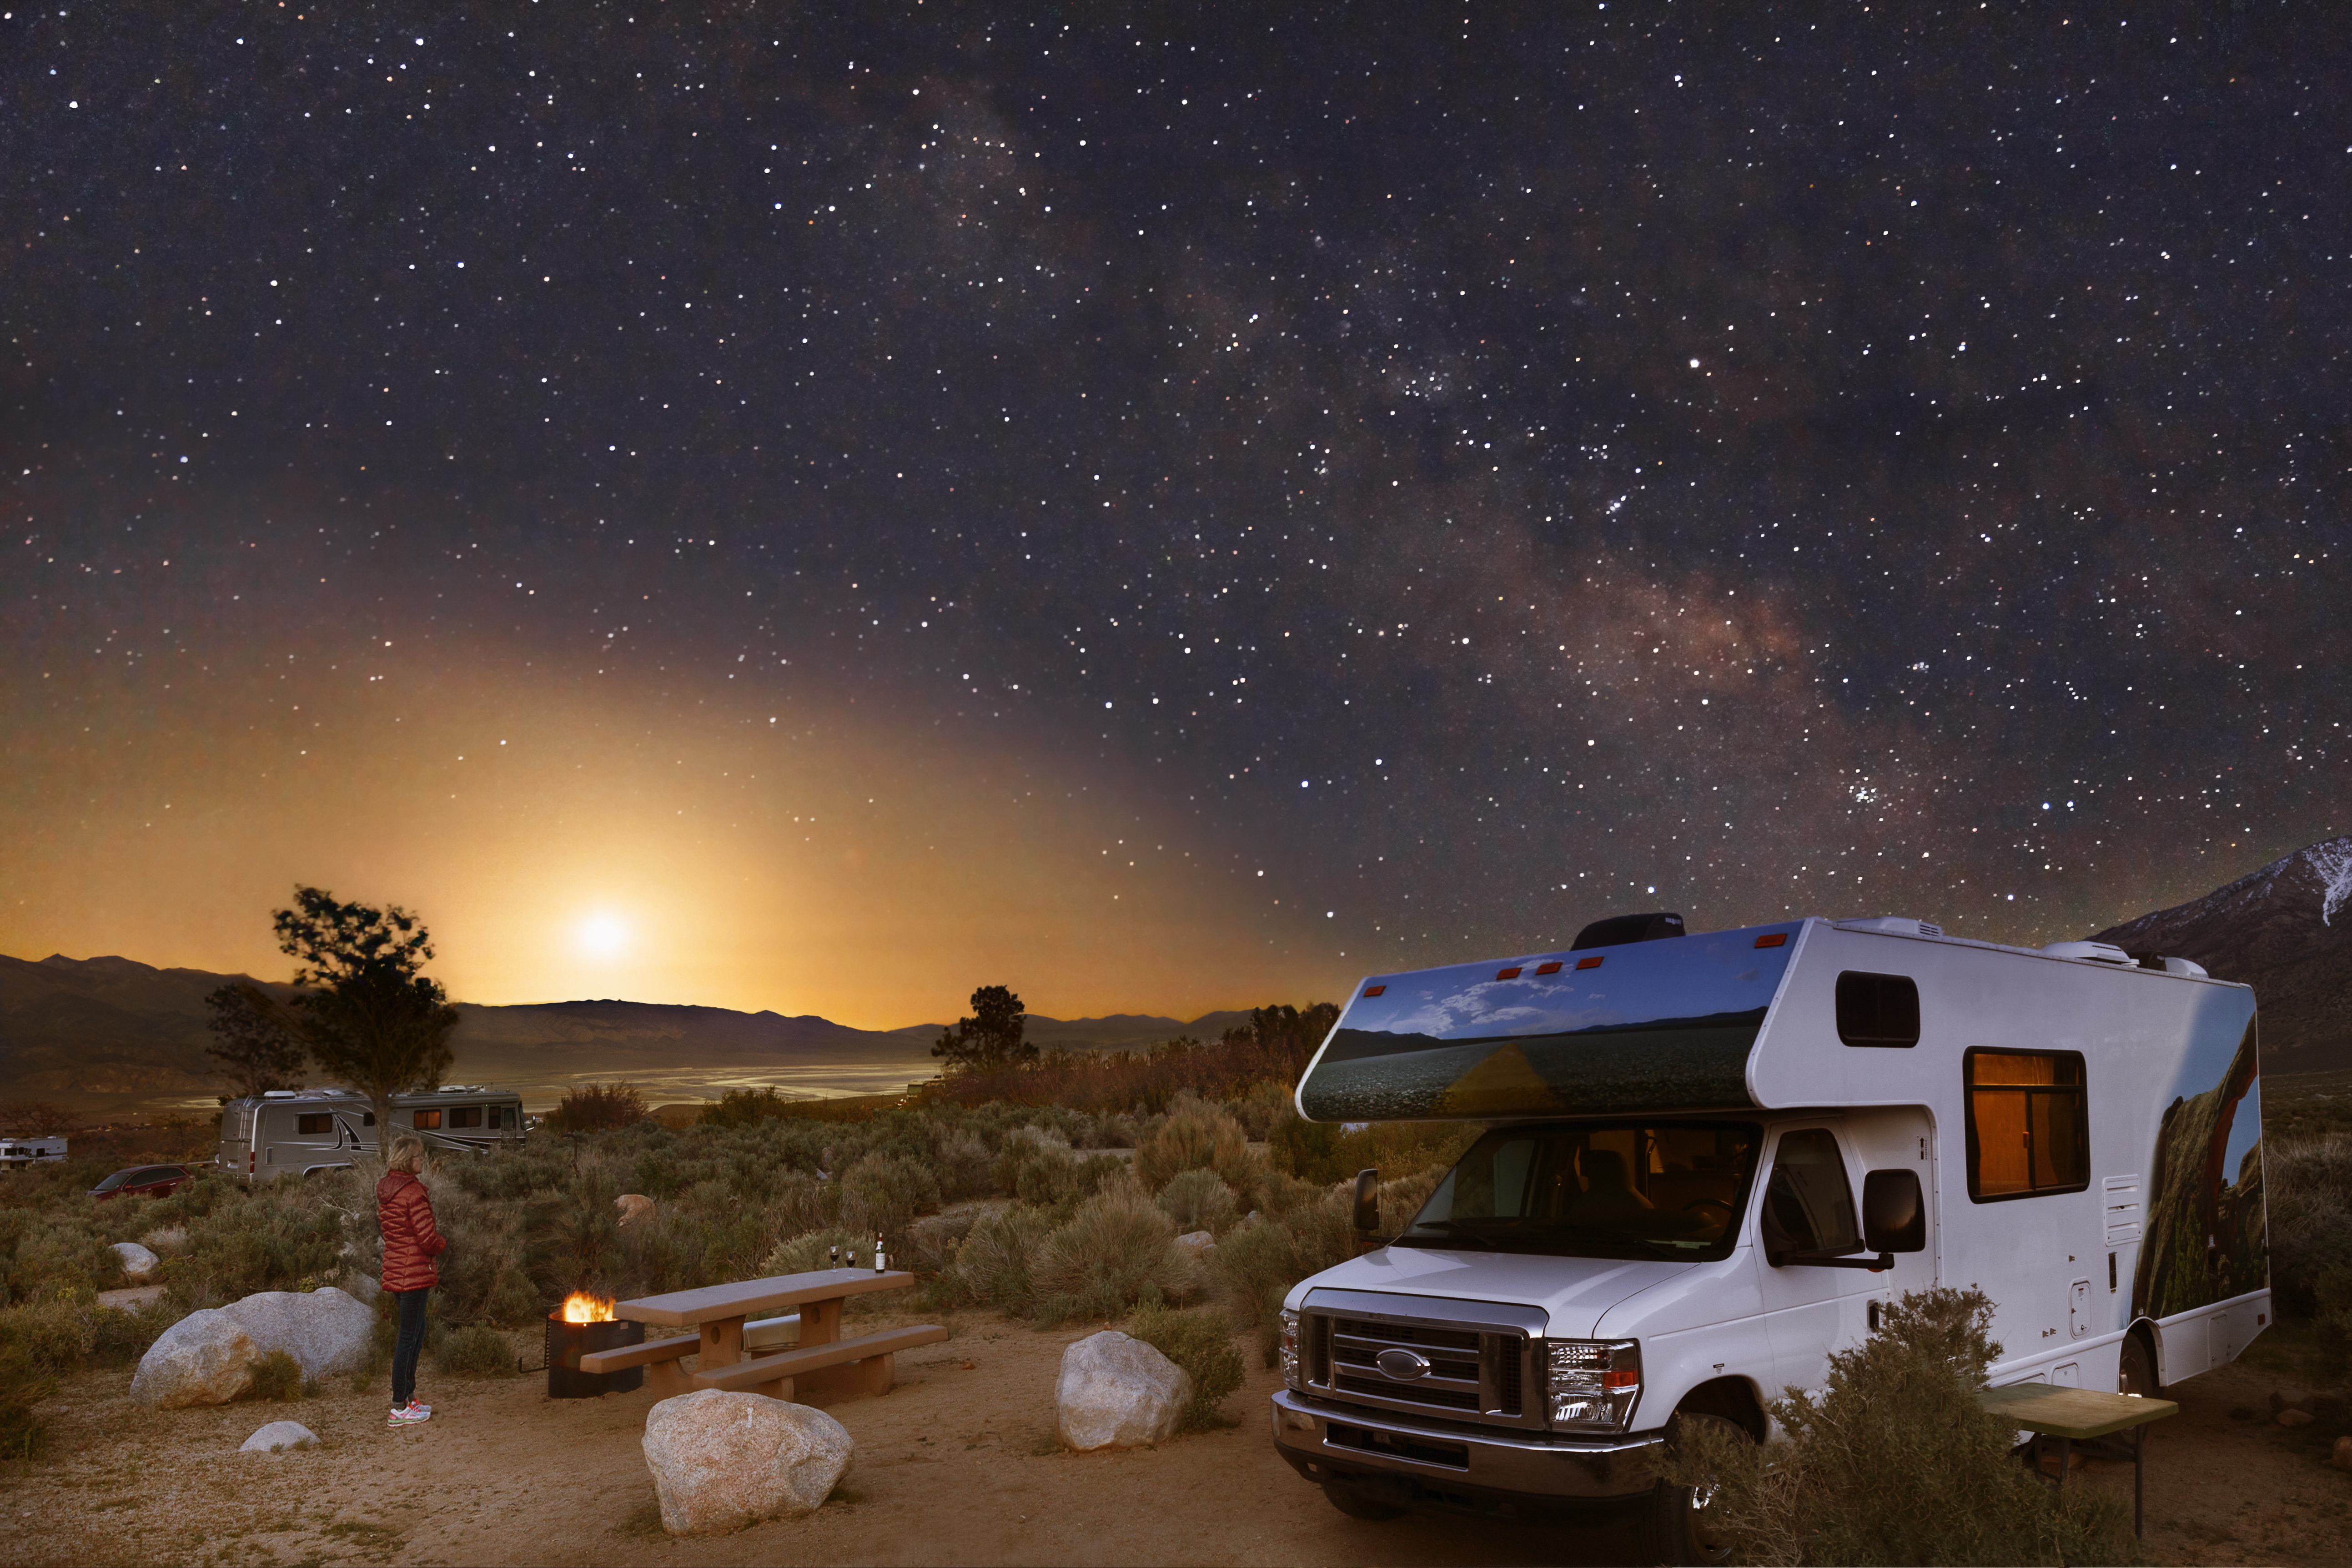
1809	1207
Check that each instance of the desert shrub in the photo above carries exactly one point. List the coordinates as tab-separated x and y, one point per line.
806	1254
963	1164
41	1255
1201	1342
931	1245
1198	1136
993	1266
1903	1402
23	1385
276	1376
572	1239
1041	1169
55	1332
1116	1245
476	1351
2308	1196
884	1194
744	1108
800	1203
1261	1108
1198	1200
1254	1268
596	1107
270	1240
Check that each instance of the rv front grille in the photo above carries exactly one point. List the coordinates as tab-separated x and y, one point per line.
1446	1370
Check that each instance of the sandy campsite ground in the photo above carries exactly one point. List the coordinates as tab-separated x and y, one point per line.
956	1465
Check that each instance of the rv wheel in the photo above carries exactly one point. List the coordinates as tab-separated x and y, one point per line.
2136	1372
1680	1524
1358	1505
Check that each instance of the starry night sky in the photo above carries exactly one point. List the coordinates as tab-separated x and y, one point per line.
1163	507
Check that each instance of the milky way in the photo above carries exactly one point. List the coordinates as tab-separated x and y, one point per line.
1428	482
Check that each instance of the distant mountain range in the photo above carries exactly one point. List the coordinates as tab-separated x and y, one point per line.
110	1036
107	1036
2286	930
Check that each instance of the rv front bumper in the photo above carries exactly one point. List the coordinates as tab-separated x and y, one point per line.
1323	1440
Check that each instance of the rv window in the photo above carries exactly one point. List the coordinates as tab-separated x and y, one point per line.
2029	1124
1598	1189
502	1116
465	1116
318	1122
425	1119
1877	1009
1809	1205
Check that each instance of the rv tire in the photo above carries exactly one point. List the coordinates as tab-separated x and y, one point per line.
1357	1504
1673	1524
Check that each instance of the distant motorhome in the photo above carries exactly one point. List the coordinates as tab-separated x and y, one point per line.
302	1131
16	1153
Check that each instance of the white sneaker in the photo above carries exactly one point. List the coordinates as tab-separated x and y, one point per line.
420	1408
403	1416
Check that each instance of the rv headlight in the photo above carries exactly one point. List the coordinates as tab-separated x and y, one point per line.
1288	1345
1592	1384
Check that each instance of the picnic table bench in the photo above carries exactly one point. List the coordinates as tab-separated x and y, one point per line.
2086	1415
823	1364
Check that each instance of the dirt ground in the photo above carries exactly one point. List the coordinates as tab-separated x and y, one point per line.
955	1465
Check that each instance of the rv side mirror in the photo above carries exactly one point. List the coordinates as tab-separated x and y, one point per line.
1893	1214
1368	1200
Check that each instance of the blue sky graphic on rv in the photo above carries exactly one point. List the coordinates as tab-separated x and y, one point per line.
1651	1026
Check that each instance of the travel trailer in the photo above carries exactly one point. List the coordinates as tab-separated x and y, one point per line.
302	1131
1710	1160
16	1153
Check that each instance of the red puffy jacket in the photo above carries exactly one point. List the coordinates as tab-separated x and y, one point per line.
410	1241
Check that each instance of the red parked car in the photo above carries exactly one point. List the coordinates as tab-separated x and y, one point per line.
148	1181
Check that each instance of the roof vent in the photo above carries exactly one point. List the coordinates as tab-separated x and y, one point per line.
1893	925
2097	952
2187	968
279	1093
1619	930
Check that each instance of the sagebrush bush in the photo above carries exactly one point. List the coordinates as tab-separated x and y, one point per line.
963	1164
2308	1195
1264	1107
476	1351
597	1107
1201	1342
1199	1200
1305	1231
276	1376
1115	1247
23	1385
1903	1403
993	1266
1198	1136
883	1193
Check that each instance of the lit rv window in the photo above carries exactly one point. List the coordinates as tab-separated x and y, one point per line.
2029	1124
1877	1009
425	1119
1594	1189
320	1122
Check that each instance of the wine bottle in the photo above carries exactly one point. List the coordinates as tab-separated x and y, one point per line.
878	1264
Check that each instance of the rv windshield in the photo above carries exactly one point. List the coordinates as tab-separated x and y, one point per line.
1595	1189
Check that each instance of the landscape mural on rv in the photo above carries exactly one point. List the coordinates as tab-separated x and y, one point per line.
1652	1025
2204	1240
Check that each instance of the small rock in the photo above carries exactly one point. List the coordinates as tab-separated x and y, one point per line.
2289	1399
2342	1458
722	1460
2291	1416
325	1329
634	1208
169	1242
1118	1393
279	1437
1197	1245
204	1359
138	1263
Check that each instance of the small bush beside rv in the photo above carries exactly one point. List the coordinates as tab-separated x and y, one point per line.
1711	1163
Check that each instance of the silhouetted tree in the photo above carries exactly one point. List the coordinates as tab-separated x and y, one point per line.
367	1012
990	1040
254	1052
36	1119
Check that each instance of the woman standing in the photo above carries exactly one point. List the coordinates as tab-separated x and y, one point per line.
405	1214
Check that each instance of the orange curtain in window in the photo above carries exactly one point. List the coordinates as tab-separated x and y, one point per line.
2004	1159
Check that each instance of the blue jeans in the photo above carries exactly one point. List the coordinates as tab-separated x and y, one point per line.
411	1341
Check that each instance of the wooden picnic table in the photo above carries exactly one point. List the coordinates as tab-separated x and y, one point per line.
822	1362
2086	1415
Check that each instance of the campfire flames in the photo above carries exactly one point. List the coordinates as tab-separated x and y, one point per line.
582	1308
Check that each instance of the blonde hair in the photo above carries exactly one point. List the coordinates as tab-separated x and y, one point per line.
407	1153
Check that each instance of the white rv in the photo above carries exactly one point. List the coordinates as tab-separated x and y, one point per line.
302	1131
1709	1163
16	1153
